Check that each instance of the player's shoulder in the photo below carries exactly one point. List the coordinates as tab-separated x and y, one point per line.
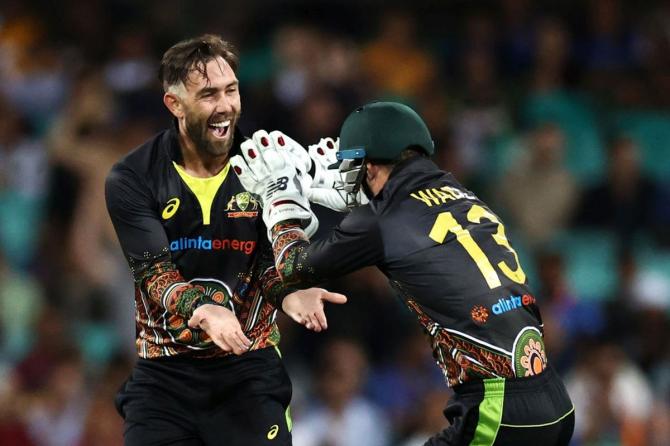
362	212
360	218
146	159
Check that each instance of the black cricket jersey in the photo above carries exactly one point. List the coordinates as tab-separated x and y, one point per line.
448	256
190	241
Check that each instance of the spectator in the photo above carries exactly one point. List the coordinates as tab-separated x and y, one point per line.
637	312
298	47
103	426
600	387
413	376
538	192
343	417
567	318
624	201
23	182
552	55
34	370
609	48
56	416
517	36
83	147
394	62
429	417
481	114
13	430
21	299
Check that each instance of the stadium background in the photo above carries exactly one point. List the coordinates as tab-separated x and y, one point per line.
555	113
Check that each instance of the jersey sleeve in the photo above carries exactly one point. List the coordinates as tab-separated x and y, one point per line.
132	210
145	244
273	289
354	244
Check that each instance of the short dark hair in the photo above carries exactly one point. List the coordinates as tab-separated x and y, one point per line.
410	152
193	55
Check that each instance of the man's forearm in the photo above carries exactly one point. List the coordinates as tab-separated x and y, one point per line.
289	246
269	280
165	286
272	287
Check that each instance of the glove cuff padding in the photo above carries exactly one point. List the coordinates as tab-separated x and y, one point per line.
286	205
286	210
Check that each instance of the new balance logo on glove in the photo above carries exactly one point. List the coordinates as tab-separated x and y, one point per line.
277	185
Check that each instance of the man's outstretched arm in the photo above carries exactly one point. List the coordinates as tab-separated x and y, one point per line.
306	307
354	244
265	167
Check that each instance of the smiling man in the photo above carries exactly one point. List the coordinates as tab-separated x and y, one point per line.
206	293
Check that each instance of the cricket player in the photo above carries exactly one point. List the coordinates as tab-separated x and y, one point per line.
443	250
206	291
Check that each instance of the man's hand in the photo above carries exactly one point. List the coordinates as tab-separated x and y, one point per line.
319	183
306	307
323	155
222	326
263	170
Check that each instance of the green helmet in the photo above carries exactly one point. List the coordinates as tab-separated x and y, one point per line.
382	130
378	131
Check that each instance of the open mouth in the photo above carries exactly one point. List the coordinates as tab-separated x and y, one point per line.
220	129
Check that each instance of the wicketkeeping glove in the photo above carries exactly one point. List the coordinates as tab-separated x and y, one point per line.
317	180
262	170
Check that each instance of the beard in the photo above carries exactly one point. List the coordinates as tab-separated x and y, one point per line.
197	129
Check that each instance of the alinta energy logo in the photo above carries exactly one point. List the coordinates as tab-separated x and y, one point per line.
242	205
214	244
512	303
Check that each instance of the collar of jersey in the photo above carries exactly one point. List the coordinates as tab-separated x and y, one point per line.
218	178
403	172
204	189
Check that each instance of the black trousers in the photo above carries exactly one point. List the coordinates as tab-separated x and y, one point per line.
509	412
229	401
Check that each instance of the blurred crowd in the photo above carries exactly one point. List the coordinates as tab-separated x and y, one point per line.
557	114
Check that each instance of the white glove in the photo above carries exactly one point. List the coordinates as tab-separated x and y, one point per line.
264	171
323	155
326	188
320	186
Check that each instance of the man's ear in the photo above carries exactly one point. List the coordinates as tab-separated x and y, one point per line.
370	170
173	103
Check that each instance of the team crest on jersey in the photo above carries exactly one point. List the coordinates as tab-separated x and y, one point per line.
528	353
242	205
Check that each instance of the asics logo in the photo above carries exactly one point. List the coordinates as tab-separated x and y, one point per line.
272	433
171	208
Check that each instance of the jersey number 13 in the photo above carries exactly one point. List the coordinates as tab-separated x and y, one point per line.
446	223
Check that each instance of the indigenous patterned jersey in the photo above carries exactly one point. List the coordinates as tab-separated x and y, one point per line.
448	256
190	241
